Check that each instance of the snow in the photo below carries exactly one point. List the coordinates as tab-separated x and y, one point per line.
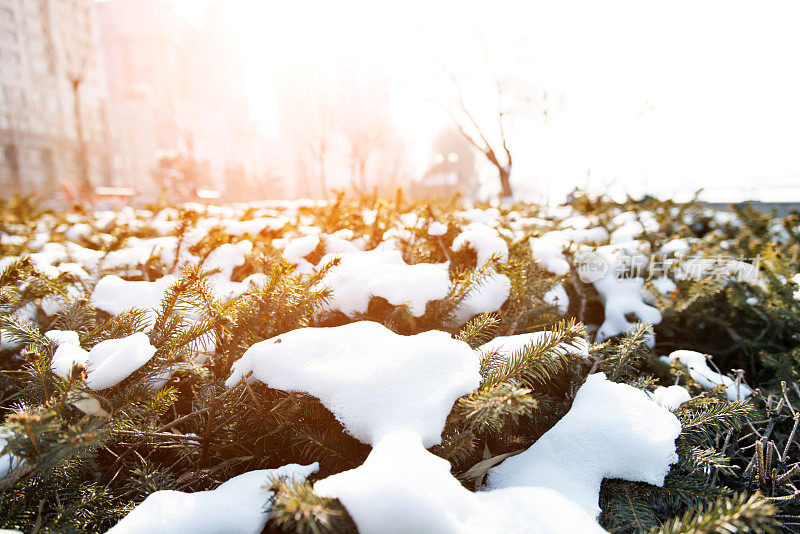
73	269
493	288
403	488
383	273
369	216
679	247
108	363
68	352
548	248
114	295
437	229
557	296
8	462
373	380
26	314
488	217
297	250
621	297
796	280
488	295
548	254
253	226
612	431
55	303
136	251
76	232
484	241
663	285
238	505
60	337
227	257
339	243
224	289
702	374
508	345
631	225
670	397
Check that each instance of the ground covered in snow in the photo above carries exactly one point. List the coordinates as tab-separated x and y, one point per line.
397	367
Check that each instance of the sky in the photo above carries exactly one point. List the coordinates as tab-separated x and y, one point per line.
641	96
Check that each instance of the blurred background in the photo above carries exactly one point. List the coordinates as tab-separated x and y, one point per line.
136	100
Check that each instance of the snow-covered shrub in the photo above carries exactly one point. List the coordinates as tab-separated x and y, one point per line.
436	368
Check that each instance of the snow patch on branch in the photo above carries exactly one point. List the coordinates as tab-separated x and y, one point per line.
493	289
238	505
612	431
108	363
383	273
401	488
373	380
701	373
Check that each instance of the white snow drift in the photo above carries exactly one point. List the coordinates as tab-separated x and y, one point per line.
108	363
702	374
373	380
403	488
494	288
114	295
383	273
239	505
612	431
670	397
507	345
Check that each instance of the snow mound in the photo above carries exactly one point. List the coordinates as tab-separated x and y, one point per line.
670	397
484	241
136	251
373	380
557	296
702	374
238	505
114	295
436	229
548	254
622	298
403	488
108	363
296	251
227	257
507	345
383	273
60	337
253	226
493	288
612	431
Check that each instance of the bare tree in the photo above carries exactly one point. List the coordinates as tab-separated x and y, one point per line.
498	152
310	119
318	128
368	131
73	31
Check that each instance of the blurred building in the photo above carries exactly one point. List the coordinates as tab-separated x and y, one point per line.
339	129
452	169
174	88
42	43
